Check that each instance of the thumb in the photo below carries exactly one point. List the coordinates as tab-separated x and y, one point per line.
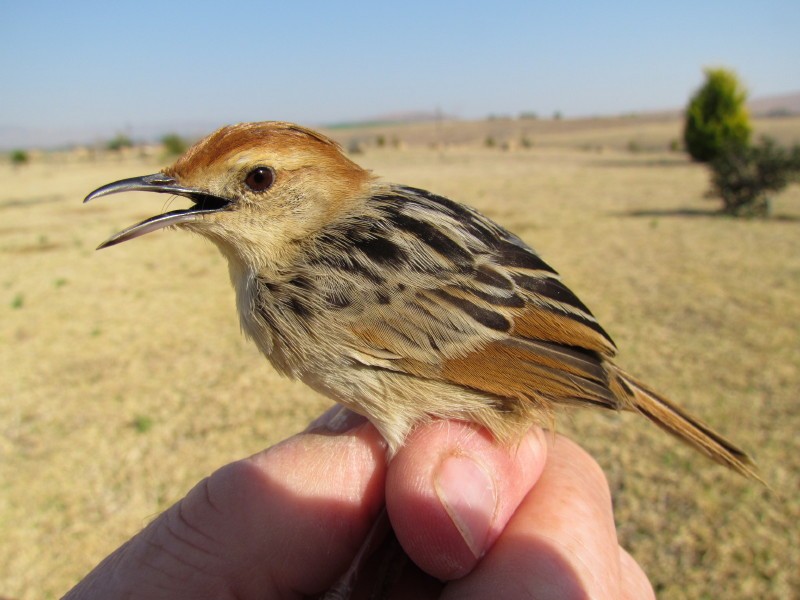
451	489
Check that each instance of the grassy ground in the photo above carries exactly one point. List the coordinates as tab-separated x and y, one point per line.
126	380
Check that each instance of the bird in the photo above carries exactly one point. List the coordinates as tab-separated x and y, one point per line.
398	303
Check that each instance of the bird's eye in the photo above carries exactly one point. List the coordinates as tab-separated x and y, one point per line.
260	179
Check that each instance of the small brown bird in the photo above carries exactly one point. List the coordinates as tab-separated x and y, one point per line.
400	304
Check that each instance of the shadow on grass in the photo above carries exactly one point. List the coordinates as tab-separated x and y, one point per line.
17	202
701	212
642	162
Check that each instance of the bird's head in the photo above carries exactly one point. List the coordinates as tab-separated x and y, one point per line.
257	189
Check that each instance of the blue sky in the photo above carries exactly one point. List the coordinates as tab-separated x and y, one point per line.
96	65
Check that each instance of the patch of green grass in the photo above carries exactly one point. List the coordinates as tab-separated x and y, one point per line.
18	301
60	282
142	423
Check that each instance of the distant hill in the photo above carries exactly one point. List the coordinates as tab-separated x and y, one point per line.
12	136
396	118
771	106
782	105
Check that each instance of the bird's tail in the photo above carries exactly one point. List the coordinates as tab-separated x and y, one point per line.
679	423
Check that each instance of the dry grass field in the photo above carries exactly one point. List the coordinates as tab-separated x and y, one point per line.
125	378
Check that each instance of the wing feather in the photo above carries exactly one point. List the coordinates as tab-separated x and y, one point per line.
470	304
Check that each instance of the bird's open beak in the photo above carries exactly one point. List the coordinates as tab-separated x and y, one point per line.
204	203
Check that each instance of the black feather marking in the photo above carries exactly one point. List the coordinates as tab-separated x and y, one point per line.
344	262
360	268
488	276
550	288
513	255
432	342
433	237
299	308
381	250
512	301
304	283
587	361
487	318
469	219
592	324
454	209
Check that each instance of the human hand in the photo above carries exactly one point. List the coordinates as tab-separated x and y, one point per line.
531	521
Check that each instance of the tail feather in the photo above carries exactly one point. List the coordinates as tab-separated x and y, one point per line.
681	424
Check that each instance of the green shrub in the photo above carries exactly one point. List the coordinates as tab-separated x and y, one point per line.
118	142
174	145
19	157
716	117
743	176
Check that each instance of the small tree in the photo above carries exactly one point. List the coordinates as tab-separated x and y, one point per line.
174	144
118	142
19	157
743	176
716	118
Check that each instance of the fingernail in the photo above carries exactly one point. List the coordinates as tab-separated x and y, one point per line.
336	420
467	492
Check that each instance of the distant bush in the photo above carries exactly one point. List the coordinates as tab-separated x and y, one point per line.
528	115
118	142
716	117
490	142
380	140
743	176
355	147
525	142
634	146
777	113
174	145
19	157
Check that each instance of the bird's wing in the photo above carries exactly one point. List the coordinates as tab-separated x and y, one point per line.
435	289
